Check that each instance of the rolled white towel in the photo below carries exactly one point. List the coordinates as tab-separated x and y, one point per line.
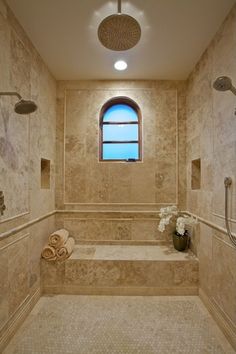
49	253
66	250
58	238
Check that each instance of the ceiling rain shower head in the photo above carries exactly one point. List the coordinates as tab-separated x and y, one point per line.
224	83
119	32
23	106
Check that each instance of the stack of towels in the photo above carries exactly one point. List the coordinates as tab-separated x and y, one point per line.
60	246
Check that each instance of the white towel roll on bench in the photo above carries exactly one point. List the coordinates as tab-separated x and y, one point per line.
58	238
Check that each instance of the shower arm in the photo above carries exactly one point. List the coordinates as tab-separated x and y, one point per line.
11	94
227	183
233	89
119	6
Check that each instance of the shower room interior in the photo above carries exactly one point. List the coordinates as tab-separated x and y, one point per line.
63	168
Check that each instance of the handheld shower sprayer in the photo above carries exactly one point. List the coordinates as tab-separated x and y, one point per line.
22	106
227	182
224	83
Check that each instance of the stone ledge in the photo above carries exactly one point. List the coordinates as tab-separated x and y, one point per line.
121	291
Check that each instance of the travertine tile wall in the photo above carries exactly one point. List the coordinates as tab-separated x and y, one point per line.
85	179
23	141
84	183
134	227
211	136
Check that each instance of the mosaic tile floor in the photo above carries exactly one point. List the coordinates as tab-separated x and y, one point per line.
65	324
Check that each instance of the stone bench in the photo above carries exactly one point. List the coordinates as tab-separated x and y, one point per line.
122	270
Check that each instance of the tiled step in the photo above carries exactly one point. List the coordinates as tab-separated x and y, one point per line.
123	270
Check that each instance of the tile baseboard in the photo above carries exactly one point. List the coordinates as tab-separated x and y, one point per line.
222	320
16	321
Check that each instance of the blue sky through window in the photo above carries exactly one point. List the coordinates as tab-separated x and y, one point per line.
120	113
120	151
120	132
116	133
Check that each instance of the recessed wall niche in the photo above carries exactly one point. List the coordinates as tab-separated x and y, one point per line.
45	174
196	174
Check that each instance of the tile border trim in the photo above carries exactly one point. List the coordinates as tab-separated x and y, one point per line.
208	223
17	229
120	291
64	211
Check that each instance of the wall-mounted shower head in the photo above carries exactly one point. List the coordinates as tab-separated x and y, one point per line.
23	106
224	83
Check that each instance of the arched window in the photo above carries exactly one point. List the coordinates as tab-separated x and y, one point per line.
120	130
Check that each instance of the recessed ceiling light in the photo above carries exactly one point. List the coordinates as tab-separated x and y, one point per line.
120	65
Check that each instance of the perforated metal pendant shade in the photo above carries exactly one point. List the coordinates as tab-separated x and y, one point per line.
119	32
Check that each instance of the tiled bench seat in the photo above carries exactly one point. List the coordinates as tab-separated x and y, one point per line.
123	270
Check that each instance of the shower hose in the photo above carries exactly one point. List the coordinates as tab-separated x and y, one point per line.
228	182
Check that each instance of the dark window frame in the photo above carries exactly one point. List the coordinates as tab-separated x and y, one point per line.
129	102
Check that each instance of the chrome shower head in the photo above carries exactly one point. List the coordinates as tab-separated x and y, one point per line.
23	106
224	83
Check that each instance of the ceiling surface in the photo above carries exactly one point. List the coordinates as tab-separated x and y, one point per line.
174	35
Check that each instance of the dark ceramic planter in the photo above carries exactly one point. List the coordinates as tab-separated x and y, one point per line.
180	241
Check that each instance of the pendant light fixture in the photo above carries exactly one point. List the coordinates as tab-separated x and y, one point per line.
119	31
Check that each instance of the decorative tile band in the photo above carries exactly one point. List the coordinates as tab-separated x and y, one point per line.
208	223
24	226
54	212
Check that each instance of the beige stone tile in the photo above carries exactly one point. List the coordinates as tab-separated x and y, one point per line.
159	112
39	234
205	201
121	230
24	141
4	287
151	253
5	54
193	201
122	266
205	258
165	179
120	182
207	174
18	273
223	280
146	230
91	229
20	66
143	183
225	165
98	184
52	273
128	273
76	186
